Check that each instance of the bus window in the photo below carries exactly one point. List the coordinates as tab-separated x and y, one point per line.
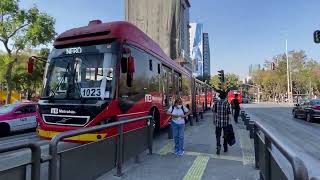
177	83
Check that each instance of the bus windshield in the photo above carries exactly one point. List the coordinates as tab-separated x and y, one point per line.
81	76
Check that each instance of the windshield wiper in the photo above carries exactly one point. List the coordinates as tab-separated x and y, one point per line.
51	97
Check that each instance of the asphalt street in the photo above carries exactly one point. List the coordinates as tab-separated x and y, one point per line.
299	136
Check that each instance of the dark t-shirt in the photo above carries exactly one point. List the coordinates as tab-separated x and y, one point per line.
236	104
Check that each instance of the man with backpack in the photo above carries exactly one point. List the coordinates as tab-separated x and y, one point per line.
178	113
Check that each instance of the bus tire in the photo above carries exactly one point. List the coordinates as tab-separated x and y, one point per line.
155	120
4	129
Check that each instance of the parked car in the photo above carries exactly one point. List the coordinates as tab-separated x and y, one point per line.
308	109
17	117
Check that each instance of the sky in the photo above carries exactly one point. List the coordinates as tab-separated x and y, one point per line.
241	32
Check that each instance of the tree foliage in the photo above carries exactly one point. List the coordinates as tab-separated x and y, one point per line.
21	29
231	81
304	72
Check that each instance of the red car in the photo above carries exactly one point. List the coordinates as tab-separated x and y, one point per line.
17	117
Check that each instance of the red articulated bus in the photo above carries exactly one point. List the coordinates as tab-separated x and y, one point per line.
231	95
106	72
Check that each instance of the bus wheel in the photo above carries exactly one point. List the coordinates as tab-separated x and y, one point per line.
4	129
155	120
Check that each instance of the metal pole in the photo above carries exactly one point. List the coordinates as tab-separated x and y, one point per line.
258	94
150	135
288	78
120	150
53	164
36	164
256	145
267	157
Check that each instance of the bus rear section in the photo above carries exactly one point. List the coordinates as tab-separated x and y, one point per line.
231	96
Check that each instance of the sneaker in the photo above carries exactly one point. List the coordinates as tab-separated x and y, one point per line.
181	153
174	152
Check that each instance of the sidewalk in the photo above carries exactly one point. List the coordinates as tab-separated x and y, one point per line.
199	161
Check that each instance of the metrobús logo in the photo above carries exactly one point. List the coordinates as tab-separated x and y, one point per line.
61	111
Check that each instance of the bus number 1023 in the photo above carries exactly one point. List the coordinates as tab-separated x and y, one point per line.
90	92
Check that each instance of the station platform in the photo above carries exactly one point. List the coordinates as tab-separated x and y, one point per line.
199	161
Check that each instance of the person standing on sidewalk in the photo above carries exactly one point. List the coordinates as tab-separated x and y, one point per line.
236	106
221	120
178	113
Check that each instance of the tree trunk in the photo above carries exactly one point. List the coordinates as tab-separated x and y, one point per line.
8	78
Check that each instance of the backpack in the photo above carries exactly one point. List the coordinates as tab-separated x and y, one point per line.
184	112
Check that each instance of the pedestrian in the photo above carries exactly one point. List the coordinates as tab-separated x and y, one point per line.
221	121
236	107
178	113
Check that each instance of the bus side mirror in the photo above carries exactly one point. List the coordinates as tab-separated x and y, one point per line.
30	65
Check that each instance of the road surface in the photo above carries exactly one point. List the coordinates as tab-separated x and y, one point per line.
303	138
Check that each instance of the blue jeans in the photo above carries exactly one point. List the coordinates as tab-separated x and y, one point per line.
178	136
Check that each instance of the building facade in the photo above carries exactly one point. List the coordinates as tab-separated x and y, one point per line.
166	22
196	48
206	55
253	68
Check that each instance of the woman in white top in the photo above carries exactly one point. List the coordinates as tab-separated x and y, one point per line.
178	113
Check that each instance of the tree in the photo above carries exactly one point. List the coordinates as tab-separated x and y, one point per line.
231	80
304	73
20	29
29	83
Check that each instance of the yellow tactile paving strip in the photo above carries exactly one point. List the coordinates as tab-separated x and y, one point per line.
196	170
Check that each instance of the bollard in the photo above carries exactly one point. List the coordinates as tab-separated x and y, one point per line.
170	131
246	122
190	119
197	118
244	117
251	129
256	146
242	114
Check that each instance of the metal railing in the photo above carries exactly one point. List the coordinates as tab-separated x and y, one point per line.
35	160
264	160
53	147
104	154
300	171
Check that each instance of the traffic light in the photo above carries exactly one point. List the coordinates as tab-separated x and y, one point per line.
316	36
273	66
221	75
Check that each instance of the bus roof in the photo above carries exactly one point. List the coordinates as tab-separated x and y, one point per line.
121	30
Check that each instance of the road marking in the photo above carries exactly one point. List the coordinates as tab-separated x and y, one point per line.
197	169
166	148
213	156
246	147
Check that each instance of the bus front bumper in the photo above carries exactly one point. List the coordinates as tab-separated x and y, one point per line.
80	138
